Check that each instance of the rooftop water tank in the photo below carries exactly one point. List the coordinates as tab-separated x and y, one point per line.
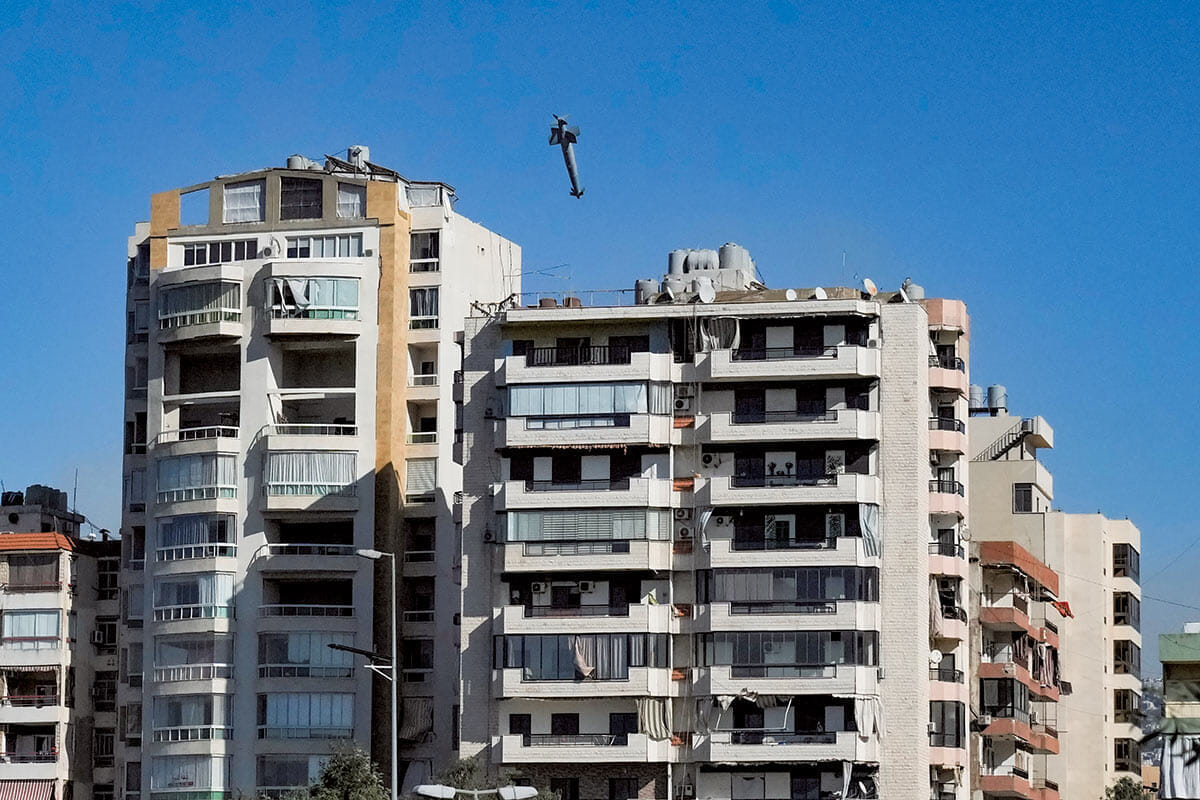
675	261
997	397
676	286
644	291
734	256
976	397
699	260
297	162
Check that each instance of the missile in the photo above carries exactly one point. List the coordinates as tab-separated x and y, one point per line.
566	137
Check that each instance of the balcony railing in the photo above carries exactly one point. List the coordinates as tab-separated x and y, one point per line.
31	642
289	549
272	732
312	312
425	615
576	421
784	607
575	740
1007	712
781	737
192	733
954	612
741	541
577	611
175	613
422	323
310	429
197	493
182	319
29	700
598	485
767	481
305	610
945	675
197	434
193	672
309	490
303	671
45	757
575	548
947	424
798	415
419	556
423	380
948	362
22	588
779	353
592	355
188	551
423	437
952	549
783	670
946	487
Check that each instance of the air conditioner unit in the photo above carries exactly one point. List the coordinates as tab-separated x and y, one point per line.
768	647
710	460
931	727
684	390
835	526
872	343
683	514
368	252
489	411
684	533
683	404
1033	718
98	637
934	459
722	520
268	252
985	720
587	586
540	588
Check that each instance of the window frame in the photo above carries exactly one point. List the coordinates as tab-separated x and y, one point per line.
296	199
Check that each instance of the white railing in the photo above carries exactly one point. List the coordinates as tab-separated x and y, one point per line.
420	323
187	551
418	556
303	671
304	610
423	437
423	380
272	732
193	672
310	549
182	319
310	429
197	434
309	490
174	613
197	493
192	733
314	312
419	616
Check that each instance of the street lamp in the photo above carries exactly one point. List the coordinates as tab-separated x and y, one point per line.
440	792
394	674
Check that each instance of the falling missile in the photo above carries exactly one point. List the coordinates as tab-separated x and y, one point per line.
566	137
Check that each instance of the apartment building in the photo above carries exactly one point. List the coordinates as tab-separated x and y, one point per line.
712	541
40	509
1060	651
291	344
58	637
1179	775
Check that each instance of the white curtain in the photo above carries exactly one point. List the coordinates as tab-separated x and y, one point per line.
587	523
195	529
200	590
654	717
189	772
244	202
580	398
191	710
197	471
936	623
423	302
202	648
351	201
23	628
308	710
317	293
1180	766
868	522
308	472
313	649
423	196
194	298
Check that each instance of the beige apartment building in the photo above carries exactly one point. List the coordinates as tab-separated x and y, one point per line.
291	348
1071	673
712	541
58	638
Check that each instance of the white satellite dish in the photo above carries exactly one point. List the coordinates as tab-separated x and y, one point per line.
869	287
706	292
935	657
820	294
964	533
790	294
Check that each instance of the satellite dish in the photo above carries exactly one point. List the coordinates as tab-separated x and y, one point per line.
706	292
790	294
820	294
869	287
935	657
965	533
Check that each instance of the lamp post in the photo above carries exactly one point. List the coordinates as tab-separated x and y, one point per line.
440	792
394	676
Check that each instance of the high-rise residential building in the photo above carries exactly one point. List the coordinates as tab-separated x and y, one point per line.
58	640
712	541
1179	770
1060	657
291	344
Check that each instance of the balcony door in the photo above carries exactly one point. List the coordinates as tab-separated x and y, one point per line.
749	406
564	724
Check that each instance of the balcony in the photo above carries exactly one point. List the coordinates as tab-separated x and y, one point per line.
598	429
305	496
771	746
947	314
954	623
1006	782
193	310
199	439
948	558
1006	723
998	667
837	361
594	363
25	762
786	679
788	426
947	435
947	497
586	555
40	708
797	615
580	748
637	618
605	493
996	616
737	490
312	305
948	373
821	551
642	682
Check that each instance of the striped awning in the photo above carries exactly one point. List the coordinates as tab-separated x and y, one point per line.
26	790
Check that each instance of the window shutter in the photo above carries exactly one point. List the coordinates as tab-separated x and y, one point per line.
421	476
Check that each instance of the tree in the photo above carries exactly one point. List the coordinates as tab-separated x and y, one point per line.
349	774
1127	789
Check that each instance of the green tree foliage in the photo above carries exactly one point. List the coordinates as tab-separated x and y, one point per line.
349	774
1127	789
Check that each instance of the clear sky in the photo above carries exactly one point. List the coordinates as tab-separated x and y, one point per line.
1037	160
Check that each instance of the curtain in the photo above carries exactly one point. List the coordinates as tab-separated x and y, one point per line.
196	298
654	717
720	333
417	719
189	772
305	648
599	524
423	302
302	712
197	471
868	522
351	201
936	623
29	626
583	398
337	297
210	648
244	202
191	710
33	570
195	529
423	196
310	472
662	398
1180	767
203	590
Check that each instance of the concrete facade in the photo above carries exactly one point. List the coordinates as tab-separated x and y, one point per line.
291	348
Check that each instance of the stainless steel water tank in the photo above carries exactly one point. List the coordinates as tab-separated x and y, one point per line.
997	397
675	261
976	395
644	291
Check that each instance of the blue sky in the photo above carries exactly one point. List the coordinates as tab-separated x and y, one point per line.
1037	160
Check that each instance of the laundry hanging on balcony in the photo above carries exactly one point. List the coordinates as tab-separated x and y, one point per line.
655	717
719	333
1180	764
936	622
868	523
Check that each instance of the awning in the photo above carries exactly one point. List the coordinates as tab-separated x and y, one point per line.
26	790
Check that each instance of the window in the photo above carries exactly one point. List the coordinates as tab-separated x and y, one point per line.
603	656
1127	658
206	774
1126	561
454	732
107	575
424	196
200	303
33	572
103	747
420	483
420	540
423	252
769	654
197	254
190	717
135	489
193	657
103	791
564	724
31	630
193	207
244	202
520	724
299	198
789	586
196	536
107	628
104	691
129	724
314	474
423	308
288	771
313	298
1005	697
133	604
138	322
342	245
305	715
416	659
1127	610
204	476
1127	755
1023	498
207	596
947	722
351	201
588	524
303	654
622	788
588	400
1127	706
133	776
565	788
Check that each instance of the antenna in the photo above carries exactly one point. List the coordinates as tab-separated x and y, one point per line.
75	493
869	287
820	294
790	294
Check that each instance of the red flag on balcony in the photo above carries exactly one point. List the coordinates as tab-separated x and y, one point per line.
1064	608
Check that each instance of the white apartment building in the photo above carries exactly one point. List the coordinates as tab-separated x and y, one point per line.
58	637
291	341
1084	708
711	541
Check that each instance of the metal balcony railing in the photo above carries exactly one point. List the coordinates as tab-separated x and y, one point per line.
591	355
784	607
290	549
577	611
197	434
575	740
310	429
771	481
947	487
780	353
601	484
798	415
781	737
423	437
44	757
948	362
952	549
305	610
189	551
176	613
783	670
423	380
946	675
947	424
29	700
